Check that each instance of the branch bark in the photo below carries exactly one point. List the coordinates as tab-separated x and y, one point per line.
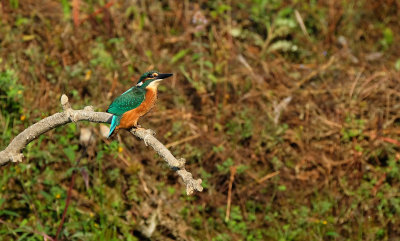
13	151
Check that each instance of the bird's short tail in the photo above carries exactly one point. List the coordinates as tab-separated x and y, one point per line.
114	123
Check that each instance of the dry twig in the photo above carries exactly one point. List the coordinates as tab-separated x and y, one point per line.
13	150
229	200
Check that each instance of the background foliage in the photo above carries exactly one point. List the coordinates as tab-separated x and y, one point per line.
300	98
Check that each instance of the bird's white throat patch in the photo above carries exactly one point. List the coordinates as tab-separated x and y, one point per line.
154	84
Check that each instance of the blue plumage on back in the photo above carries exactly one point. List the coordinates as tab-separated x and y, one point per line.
129	100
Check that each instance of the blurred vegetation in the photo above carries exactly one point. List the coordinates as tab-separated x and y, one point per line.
305	90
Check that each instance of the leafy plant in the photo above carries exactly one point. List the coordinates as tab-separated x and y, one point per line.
10	93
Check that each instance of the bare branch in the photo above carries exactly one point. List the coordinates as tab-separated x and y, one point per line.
13	151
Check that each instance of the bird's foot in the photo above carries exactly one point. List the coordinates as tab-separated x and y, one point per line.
138	127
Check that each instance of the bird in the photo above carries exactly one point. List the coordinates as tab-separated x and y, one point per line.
135	102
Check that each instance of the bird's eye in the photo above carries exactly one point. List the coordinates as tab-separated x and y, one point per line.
149	76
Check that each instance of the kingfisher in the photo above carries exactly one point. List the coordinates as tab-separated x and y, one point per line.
135	102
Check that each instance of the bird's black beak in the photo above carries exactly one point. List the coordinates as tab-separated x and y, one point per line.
163	76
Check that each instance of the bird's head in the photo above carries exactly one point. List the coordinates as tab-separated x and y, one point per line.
151	79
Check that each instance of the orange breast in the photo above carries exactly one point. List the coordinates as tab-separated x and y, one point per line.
129	119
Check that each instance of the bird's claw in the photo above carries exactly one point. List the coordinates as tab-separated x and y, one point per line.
138	127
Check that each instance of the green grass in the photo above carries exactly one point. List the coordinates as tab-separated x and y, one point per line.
233	63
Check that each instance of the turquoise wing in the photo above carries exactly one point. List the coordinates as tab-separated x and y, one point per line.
129	100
